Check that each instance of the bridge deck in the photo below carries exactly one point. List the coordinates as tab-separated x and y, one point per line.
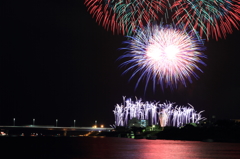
56	128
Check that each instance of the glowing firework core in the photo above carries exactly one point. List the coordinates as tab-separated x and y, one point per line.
171	51
154	52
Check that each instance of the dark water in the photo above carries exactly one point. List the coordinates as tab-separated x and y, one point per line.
115	148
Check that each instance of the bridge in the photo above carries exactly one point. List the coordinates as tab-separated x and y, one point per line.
39	128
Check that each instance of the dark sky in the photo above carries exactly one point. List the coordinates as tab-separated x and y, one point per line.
58	63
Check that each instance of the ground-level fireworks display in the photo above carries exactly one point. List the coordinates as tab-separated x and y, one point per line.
167	113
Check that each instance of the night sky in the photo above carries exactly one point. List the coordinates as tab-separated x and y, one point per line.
58	63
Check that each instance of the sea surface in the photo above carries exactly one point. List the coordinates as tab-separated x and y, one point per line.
114	148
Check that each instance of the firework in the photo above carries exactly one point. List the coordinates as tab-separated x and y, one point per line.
164	54
124	16
103	11
166	114
214	18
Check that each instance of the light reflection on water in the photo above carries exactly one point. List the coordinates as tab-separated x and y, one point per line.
158	149
114	148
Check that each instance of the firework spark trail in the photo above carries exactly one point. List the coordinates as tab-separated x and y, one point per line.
124	16
118	115
213	18
103	11
167	114
163	117
137	13
165	54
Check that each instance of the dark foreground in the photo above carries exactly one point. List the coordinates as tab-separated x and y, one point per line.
113	148
220	131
